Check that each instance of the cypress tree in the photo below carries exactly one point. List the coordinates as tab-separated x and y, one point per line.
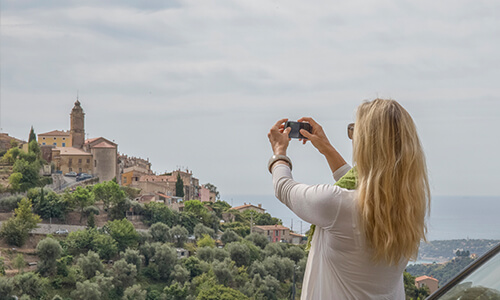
32	135
179	186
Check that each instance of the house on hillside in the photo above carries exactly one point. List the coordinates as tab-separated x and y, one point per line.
430	282
249	206
274	233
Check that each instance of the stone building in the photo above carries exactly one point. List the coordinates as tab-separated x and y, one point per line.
71	152
274	233
166	184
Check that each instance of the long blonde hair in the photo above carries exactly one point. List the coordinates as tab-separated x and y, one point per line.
394	194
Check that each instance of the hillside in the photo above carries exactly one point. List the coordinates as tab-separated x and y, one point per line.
442	251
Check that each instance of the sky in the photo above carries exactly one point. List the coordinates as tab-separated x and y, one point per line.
198	84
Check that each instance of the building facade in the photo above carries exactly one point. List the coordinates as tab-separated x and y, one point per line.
430	282
274	233
56	138
70	152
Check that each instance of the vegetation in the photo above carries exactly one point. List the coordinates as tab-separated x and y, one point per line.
442	272
179	186
16	229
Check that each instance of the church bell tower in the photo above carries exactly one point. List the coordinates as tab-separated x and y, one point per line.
77	132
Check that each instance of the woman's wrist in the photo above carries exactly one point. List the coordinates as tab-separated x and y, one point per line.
279	151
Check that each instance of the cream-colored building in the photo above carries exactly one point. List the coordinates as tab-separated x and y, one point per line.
56	138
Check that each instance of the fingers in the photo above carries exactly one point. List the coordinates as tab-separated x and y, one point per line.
306	134
280	122
308	120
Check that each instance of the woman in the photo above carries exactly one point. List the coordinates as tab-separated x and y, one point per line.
364	237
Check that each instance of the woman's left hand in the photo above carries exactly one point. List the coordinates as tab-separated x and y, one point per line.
278	137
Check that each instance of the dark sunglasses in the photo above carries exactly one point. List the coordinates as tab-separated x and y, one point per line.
350	130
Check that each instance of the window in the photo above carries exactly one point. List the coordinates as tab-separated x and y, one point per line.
70	161
124	179
79	160
276	233
95	163
64	139
63	144
55	144
88	160
43	144
54	138
269	232
43	138
283	232
70	169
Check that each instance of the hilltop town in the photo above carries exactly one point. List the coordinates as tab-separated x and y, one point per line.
101	213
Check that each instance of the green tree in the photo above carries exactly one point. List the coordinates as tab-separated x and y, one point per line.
48	204
123	232
180	274
165	259
159	232
86	291
176	291
206	241
30	173
2	266
109	192
178	235
220	292
91	220
179	186
16	229
105	246
134	292
19	262
294	253
134	257
32	136
258	239
239	253
201	230
49	251
155	212
15	181
124	275
90	264
6	288
229	236
31	284
82	197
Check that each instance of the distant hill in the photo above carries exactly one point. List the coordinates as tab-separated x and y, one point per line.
442	251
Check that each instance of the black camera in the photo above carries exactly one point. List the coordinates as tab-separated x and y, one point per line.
296	127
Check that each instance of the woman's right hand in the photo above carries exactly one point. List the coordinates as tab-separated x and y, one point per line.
317	136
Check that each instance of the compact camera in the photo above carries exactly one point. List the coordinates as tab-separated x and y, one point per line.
296	127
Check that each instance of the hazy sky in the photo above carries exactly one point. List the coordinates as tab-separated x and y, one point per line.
198	84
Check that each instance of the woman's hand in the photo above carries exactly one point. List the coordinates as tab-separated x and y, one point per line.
317	136
278	137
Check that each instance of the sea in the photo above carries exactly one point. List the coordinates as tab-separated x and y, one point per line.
451	217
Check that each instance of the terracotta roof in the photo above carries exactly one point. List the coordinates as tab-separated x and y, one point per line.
71	151
55	132
245	206
272	227
91	140
163	195
104	145
296	234
424	278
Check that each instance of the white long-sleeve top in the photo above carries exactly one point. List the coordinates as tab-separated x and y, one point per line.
339	265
